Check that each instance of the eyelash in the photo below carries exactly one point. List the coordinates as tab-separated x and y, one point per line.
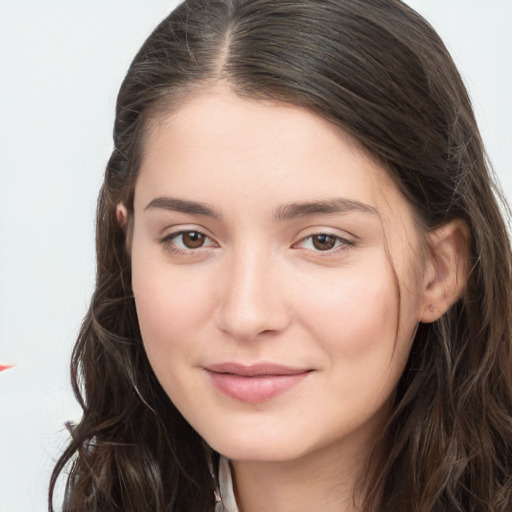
340	243
169	242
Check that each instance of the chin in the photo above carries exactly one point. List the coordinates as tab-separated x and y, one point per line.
265	447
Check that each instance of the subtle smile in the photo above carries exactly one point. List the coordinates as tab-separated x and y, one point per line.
255	383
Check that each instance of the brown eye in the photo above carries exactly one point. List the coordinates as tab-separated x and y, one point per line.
188	242
193	239
323	242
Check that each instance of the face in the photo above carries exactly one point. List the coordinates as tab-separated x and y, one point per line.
276	277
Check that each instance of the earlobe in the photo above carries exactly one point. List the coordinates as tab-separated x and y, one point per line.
125	221
447	269
121	215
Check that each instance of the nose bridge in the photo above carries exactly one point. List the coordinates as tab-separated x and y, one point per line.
251	302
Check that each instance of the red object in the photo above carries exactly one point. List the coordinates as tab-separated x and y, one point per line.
4	367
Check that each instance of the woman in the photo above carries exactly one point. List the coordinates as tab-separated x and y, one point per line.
303	289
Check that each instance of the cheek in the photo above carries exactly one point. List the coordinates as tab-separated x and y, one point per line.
355	312
167	314
171	304
367	339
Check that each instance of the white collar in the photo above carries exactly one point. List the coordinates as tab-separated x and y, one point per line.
226	496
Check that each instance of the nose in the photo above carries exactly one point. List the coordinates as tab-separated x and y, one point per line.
252	302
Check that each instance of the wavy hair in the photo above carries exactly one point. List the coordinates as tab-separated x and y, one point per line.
379	71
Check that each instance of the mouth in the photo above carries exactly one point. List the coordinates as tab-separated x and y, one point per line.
254	383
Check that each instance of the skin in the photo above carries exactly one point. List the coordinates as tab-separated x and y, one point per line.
258	287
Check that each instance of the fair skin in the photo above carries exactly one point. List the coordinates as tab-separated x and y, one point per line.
269	253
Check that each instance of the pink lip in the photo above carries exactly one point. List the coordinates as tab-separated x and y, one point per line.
255	383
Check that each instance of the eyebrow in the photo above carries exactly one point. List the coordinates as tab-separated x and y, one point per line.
183	206
335	205
283	213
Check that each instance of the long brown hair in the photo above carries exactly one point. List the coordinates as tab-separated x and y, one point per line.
379	71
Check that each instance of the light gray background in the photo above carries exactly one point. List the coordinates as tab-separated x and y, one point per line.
61	64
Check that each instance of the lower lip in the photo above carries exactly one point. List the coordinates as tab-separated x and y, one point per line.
257	388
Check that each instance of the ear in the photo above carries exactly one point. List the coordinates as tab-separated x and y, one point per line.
447	269
121	215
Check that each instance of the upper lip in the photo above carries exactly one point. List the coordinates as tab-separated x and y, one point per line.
255	370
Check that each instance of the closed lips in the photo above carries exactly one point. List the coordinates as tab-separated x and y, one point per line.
256	370
255	383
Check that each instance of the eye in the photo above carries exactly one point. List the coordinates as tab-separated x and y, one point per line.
324	242
187	240
191	239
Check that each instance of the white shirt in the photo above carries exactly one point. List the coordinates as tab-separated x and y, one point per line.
225	497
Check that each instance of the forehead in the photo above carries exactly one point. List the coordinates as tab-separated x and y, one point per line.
243	154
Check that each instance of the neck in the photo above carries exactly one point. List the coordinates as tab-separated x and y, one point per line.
328	480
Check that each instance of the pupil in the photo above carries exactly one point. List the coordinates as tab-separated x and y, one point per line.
193	239
323	242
